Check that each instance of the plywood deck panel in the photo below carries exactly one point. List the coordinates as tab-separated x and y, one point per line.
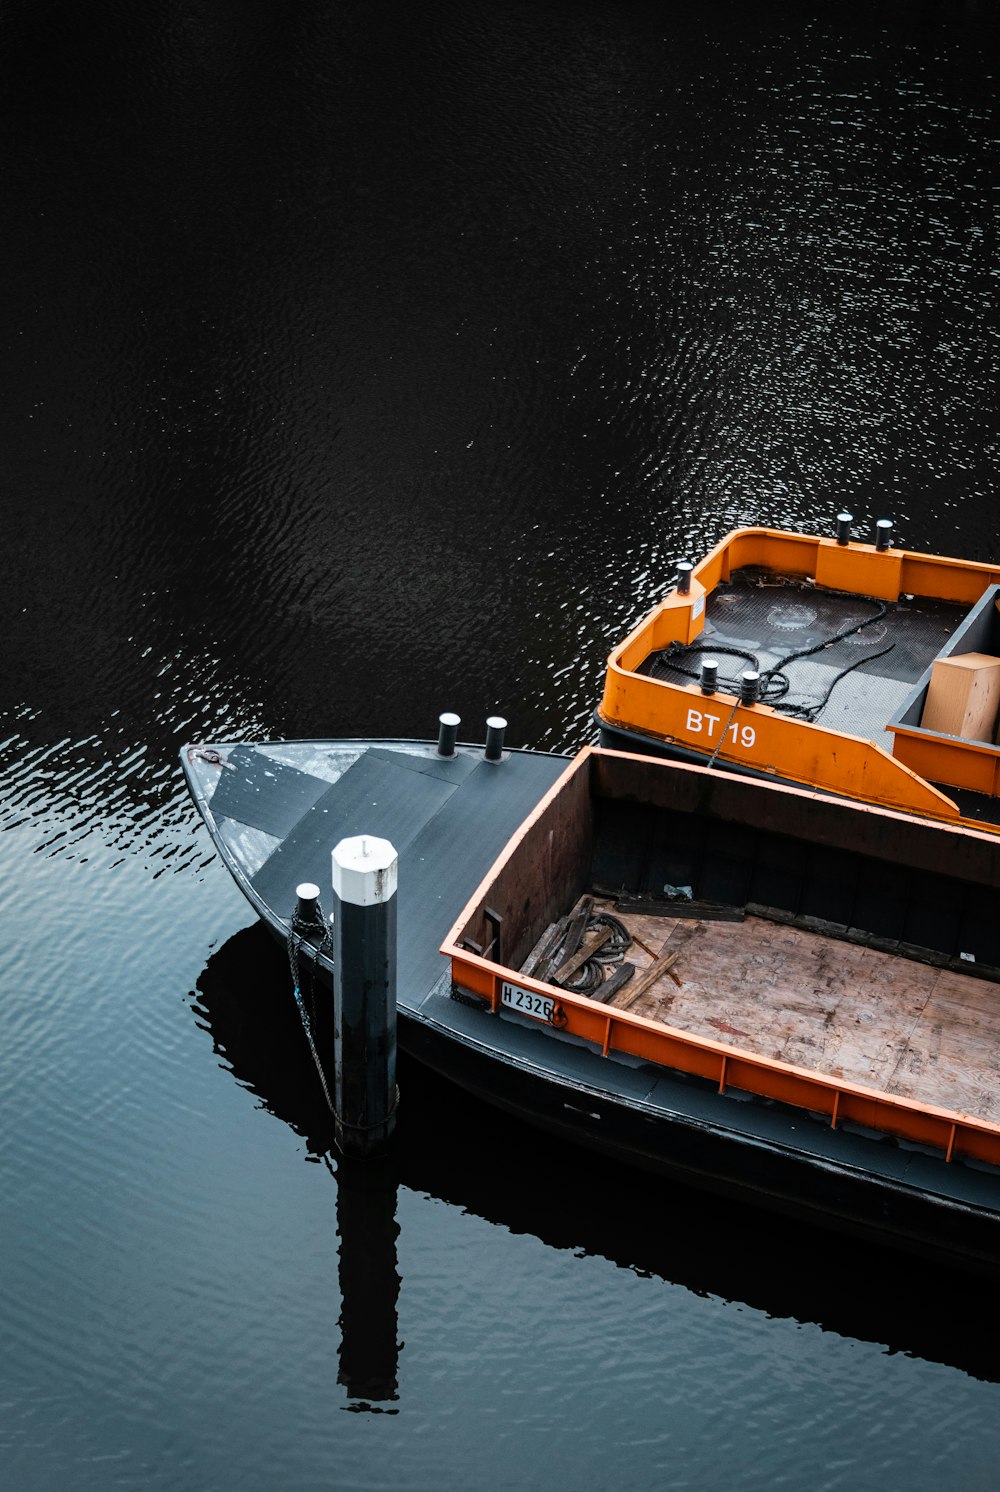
805	998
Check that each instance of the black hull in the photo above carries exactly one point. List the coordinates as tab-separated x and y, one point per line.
687	1150
649	1117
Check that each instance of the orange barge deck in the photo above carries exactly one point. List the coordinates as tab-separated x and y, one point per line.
846	639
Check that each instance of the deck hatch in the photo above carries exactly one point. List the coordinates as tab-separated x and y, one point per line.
378	794
262	793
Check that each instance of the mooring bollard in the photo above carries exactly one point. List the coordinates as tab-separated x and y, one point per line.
364	993
495	727
448	724
749	686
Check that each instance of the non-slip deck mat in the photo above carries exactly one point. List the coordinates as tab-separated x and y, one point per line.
262	793
448	768
772	621
776	620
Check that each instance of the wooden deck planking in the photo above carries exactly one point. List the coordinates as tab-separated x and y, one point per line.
955	1036
801	997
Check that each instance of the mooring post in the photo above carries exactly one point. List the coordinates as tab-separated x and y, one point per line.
448	724
364	993
495	727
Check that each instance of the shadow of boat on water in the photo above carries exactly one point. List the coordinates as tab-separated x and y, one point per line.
451	1146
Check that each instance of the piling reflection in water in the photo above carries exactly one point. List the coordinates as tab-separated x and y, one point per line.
369	1277
245	999
509	1174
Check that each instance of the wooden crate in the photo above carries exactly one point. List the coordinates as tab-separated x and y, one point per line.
963	697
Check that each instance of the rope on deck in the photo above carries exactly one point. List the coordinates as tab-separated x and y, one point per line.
775	684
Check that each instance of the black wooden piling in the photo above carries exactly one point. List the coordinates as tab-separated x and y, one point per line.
364	993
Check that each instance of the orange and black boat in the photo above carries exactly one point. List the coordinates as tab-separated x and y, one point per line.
751	988
858	669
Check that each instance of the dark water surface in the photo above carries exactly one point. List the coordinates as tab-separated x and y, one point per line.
360	362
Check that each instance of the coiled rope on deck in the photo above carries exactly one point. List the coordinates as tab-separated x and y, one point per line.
774	682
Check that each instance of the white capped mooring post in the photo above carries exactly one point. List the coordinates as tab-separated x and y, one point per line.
364	993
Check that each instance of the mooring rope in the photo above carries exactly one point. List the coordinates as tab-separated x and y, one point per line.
299	930
774	682
722	733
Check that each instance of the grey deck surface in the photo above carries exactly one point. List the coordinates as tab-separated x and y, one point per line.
447	818
445	862
374	796
262	793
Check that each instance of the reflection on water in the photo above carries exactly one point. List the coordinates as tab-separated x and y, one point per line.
369	1280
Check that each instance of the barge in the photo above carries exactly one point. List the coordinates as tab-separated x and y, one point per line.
750	988
862	670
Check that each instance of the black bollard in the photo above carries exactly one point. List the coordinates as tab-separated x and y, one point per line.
364	993
495	727
749	686
307	909
448	724
844	521
883	534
